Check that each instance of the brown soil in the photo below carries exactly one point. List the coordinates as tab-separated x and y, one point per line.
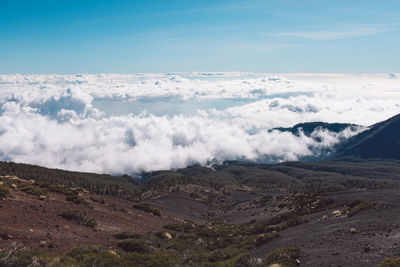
35	223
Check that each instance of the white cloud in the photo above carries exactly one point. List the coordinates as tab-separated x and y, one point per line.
51	120
346	32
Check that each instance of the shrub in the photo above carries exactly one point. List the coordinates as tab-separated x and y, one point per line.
126	234
182	227
75	199
264	238
16	255
262	201
79	217
34	190
98	200
146	207
295	220
3	191
91	256
351	211
133	245
390	262
285	256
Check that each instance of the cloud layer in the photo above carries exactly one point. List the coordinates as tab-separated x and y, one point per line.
162	121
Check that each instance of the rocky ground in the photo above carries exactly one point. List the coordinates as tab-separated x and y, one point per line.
36	223
339	228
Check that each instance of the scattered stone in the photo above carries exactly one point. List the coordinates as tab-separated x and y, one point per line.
167	235
337	213
353	230
42	197
325	217
14	186
298	262
43	243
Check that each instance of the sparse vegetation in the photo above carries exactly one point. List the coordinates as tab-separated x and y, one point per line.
390	262
79	217
124	186
3	191
98	200
33	190
146	207
209	242
75	199
126	234
360	206
133	245
285	256
262	201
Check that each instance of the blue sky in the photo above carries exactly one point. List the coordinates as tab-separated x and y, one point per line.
70	36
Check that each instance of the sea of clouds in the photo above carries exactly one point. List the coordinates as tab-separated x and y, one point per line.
109	123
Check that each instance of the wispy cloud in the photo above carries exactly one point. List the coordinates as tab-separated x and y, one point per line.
344	33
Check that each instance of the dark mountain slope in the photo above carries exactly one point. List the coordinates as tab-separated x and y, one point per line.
382	140
309	127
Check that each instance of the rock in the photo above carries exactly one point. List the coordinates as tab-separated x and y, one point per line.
337	213
43	243
275	265
14	186
167	235
325	217
298	262
42	197
353	230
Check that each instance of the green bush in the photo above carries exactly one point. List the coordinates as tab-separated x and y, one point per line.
98	200
181	227
146	207
3	191
295	220
75	199
390	262
351	211
133	245
126	234
79	217
33	190
16	255
262	201
91	256
285	256
264	238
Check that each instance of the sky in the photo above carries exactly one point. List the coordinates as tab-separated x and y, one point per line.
159	36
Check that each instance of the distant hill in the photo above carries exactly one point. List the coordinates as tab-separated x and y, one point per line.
381	140
309	127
